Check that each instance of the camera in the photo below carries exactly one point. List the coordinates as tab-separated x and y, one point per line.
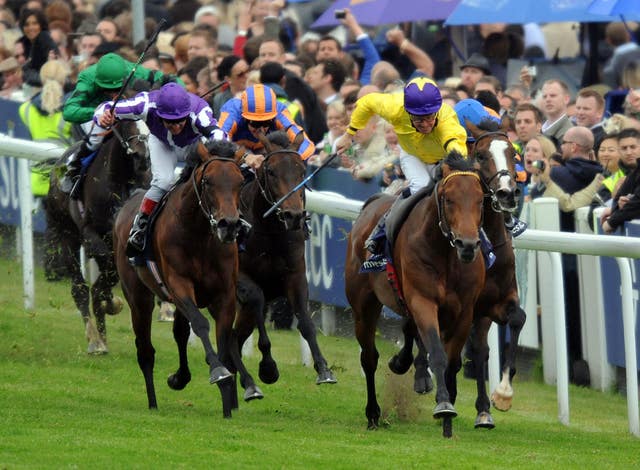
533	71
539	164
340	14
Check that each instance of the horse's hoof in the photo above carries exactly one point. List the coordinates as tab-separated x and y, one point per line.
444	410
112	308
268	372
178	381
166	312
253	393
372	425
399	367
219	374
484	420
326	377
97	348
423	385
501	402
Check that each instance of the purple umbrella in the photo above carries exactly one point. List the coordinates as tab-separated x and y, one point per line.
377	12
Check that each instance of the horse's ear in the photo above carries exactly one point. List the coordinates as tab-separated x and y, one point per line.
505	124
475	131
201	151
297	142
264	140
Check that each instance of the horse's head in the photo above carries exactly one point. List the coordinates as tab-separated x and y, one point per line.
496	159
282	171
459	199
131	137
217	183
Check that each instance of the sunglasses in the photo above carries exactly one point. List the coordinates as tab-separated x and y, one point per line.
260	124
241	74
170	122
425	118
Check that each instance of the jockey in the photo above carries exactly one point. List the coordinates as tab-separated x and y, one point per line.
427	130
96	84
176	119
259	111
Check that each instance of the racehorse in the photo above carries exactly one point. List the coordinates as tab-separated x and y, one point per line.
436	276
272	264
195	257
499	299
120	165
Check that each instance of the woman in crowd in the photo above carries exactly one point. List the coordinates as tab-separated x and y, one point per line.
38	44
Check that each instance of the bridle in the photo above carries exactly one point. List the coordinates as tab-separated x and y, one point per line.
125	142
488	191
265	188
205	206
443	224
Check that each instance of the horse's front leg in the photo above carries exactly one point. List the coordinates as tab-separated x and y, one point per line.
502	396
298	296
480	355
251	313
365	329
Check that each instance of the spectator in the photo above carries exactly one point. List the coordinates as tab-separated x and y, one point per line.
369	51
476	67
37	44
369	155
419	58
555	101
108	29
337	124
385	74
625	51
325	79
628	147
590	113
234	70
189	73
528	123
11	80
88	44
272	74
202	43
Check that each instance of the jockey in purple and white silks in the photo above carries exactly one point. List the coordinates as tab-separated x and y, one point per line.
176	119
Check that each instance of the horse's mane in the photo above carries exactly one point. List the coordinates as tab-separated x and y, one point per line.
221	148
456	161
279	138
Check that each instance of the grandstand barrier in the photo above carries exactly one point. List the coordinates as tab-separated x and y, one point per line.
332	214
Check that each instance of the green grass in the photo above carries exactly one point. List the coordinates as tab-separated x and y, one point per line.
61	408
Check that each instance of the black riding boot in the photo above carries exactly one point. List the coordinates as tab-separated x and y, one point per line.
74	166
135	243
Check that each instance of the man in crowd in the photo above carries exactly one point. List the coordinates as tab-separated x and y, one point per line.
555	101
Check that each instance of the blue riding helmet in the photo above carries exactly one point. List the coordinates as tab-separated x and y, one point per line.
472	110
422	97
174	102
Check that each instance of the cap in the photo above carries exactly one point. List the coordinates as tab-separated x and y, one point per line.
472	110
478	61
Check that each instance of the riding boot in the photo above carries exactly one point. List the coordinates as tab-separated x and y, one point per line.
514	225
377	238
74	166
135	243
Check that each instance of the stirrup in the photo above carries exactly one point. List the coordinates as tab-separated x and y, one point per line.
135	243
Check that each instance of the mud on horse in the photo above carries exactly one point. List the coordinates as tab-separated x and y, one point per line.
272	264
193	246
120	166
439	275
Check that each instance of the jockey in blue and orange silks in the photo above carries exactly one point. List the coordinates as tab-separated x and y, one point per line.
259	111
427	131
176	119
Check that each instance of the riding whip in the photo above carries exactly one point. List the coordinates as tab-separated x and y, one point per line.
152	40
299	185
215	87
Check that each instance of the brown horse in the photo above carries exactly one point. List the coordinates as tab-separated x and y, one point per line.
498	301
120	166
439	277
273	264
193	244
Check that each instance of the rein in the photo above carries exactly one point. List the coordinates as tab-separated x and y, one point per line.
442	217
202	203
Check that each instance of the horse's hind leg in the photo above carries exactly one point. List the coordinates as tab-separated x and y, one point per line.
480	349
422	381
181	331
502	396
250	314
401	362
141	304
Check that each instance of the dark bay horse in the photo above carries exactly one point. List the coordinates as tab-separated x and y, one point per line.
439	277
273	264
120	166
196	257
499	300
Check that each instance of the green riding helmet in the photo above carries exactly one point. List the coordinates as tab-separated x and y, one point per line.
111	71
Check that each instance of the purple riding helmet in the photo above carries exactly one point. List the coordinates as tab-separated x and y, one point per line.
174	102
422	97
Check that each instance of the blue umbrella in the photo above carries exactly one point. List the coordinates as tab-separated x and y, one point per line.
524	11
615	7
377	12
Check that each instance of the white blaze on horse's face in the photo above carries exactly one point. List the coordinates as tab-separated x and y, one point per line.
498	150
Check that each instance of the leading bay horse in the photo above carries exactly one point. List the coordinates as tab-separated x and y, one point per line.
120	166
272	264
193	243
499	300
438	274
